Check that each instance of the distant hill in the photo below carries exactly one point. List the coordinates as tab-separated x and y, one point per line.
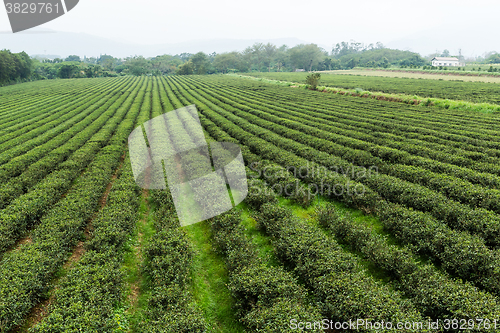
68	43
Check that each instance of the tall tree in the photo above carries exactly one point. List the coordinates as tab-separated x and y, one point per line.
225	61
67	71
186	68
269	52
138	65
306	56
200	63
14	67
93	71
165	64
73	58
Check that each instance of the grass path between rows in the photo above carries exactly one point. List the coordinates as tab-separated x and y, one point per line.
308	214
261	241
137	286
264	242
209	281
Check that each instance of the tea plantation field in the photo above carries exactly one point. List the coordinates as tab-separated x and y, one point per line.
357	209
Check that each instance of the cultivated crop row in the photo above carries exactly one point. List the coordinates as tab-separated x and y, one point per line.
476	220
457	215
23	172
478	92
24	211
89	294
354	134
15	98
435	294
476	269
451	125
26	272
17	124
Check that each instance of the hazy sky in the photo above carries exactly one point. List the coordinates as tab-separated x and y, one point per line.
322	22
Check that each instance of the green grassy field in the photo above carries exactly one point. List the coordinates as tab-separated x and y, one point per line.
416	74
394	212
476	92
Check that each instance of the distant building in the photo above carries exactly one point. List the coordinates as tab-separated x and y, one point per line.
446	61
300	70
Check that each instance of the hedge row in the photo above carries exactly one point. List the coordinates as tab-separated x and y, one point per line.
167	98
479	221
460	190
345	140
433	292
58	150
89	294
267	297
342	289
454	122
26	272
281	181
194	164
13	99
473	91
457	215
356	135
24	211
459	253
392	155
395	118
361	129
409	152
450	185
168	258
340	148
370	201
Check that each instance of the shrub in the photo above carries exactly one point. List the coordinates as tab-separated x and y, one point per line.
313	80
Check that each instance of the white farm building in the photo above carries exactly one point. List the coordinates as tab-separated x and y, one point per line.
446	61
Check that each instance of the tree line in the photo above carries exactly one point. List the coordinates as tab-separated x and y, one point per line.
307	57
14	67
19	67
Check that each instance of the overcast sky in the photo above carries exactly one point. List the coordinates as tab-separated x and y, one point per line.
470	25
